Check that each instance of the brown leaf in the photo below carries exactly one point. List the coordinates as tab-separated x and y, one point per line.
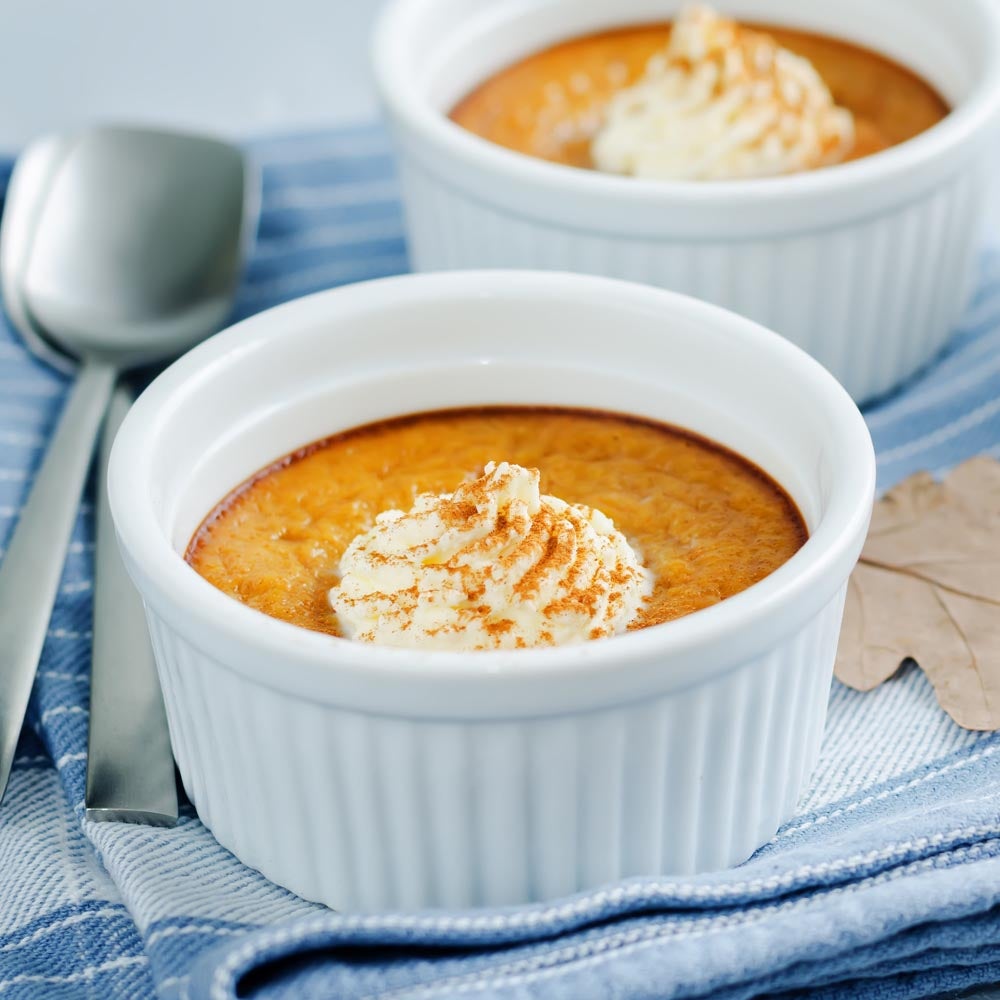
927	588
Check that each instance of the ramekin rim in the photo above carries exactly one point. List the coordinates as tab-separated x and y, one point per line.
964	120
144	537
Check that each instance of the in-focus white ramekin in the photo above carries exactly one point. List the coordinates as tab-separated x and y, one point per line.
372	778
866	265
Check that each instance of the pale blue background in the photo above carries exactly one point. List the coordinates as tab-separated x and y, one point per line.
239	66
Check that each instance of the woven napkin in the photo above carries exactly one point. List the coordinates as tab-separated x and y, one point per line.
882	886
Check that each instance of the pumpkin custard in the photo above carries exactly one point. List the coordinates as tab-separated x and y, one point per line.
499	527
704	98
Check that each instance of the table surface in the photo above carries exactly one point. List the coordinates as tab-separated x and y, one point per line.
240	67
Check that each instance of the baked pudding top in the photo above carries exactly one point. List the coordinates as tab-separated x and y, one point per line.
410	532
704	98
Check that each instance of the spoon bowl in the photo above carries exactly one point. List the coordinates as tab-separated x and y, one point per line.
123	244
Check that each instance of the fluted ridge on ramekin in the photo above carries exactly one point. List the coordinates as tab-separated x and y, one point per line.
873	300
369	812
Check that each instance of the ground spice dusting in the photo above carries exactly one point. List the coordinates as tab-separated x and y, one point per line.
499	627
495	561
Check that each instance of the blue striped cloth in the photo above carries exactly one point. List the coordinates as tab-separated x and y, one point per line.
884	885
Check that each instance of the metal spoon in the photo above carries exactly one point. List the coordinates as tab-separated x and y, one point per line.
118	247
130	766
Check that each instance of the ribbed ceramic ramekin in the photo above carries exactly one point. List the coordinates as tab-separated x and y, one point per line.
866	265
372	778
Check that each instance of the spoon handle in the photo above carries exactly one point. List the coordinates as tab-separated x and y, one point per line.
32	565
130	767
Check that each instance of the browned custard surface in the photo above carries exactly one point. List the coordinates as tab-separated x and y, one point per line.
705	521
542	105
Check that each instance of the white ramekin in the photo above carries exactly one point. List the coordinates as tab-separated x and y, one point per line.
372	778
866	266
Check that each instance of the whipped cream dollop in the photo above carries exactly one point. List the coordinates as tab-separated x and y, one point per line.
722	102
493	565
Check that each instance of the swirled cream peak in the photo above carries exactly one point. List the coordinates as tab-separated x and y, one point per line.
493	565
722	102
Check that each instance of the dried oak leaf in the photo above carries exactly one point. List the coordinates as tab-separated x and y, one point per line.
927	588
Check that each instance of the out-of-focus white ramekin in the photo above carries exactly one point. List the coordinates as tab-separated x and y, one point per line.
371	778
866	265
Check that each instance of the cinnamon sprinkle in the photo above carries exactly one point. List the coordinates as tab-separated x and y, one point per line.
492	565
